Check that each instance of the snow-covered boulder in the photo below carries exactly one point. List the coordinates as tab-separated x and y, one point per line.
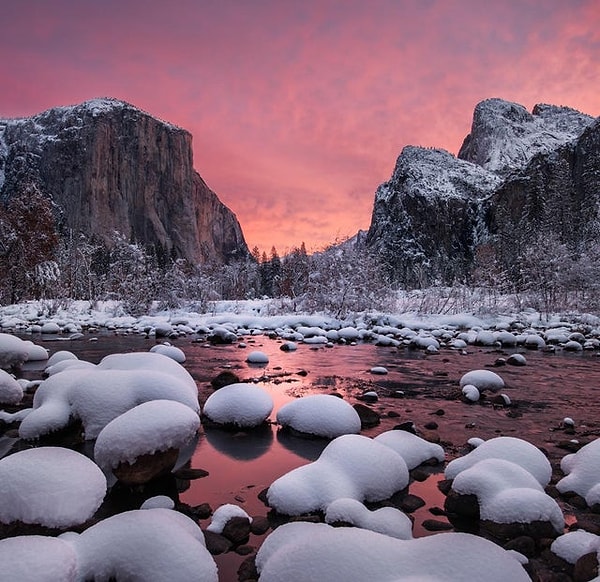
350	466
322	415
223	514
574	544
68	364
51	328
257	357
60	356
582	473
386	520
508	496
149	545
483	380
130	444
98	394
535	342
412	448
11	391
37	559
356	555
36	353
241	404
170	351
49	486
470	393
511	449
14	352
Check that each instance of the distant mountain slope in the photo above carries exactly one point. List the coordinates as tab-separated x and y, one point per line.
518	174
108	166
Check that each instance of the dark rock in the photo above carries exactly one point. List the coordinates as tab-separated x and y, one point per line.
408	426
523	544
410	503
216	544
419	474
463	506
432	425
189	474
260	525
146	467
586	568
262	496
589	523
369	396
445	486
247	571
302	373
224	379
440	412
436	511
393	414
244	550
436	525
237	530
507	531
368	417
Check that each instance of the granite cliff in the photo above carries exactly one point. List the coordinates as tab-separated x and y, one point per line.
518	176
108	166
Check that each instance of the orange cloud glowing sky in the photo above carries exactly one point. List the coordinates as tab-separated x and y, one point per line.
299	108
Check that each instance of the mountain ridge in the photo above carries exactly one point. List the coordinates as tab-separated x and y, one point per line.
109	166
429	219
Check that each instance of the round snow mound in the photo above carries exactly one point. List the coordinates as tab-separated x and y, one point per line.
37	559
244	405
10	390
150	427
49	486
321	415
483	380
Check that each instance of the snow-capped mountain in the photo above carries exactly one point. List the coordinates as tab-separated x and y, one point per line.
505	136
108	166
517	175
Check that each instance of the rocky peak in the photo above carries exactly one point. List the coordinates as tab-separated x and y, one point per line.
430	172
504	136
518	175
109	166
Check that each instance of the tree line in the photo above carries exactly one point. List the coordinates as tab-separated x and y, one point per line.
345	277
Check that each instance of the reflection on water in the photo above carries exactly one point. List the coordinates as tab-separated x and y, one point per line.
306	448
241	446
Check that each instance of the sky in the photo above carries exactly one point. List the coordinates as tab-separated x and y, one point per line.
299	108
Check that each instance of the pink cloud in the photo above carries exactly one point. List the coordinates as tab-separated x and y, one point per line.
299	110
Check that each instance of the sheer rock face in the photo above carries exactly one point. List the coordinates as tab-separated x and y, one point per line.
110	167
516	171
428	213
